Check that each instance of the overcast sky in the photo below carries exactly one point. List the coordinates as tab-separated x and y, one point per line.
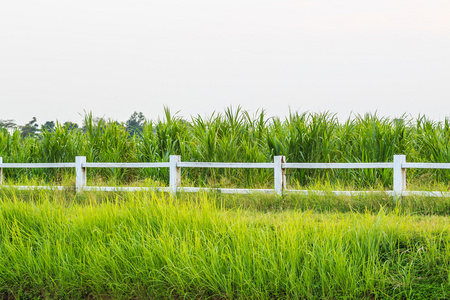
60	58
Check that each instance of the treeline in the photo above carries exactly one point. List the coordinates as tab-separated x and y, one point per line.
237	136
133	124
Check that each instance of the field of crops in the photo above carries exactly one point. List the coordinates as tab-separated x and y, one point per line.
146	245
237	136
59	245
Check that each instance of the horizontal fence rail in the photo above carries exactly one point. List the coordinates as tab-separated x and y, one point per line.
36	166
221	165
337	165
279	166
125	165
426	165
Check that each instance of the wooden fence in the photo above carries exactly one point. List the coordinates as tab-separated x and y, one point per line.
279	166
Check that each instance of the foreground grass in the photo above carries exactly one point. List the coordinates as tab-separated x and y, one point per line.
145	245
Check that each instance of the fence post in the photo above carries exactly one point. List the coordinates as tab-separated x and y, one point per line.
1	171
80	178
399	176
279	174
174	174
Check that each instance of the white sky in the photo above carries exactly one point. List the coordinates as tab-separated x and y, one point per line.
59	58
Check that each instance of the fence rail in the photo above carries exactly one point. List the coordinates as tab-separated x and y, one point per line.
279	166
337	165
125	165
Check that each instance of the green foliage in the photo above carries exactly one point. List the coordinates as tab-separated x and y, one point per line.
48	126
30	129
236	136
135	122
7	124
70	125
433	143
55	245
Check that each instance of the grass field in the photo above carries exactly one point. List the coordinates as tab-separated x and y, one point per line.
143	245
59	245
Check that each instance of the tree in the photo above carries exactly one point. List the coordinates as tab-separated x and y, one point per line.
92	124
135	123
70	125
30	128
48	126
7	124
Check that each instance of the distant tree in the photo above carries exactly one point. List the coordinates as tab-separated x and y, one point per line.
30	128
92	123
135	123
7	124
70	125
48	126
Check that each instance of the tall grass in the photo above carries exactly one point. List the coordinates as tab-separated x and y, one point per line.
237	136
143	245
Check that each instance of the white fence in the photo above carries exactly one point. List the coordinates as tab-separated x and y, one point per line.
279	167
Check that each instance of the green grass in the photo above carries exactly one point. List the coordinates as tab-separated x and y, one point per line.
237	136
56	244
63	245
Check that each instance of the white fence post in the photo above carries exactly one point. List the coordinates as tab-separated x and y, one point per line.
399	175
1	171
174	174
80	178
279	175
